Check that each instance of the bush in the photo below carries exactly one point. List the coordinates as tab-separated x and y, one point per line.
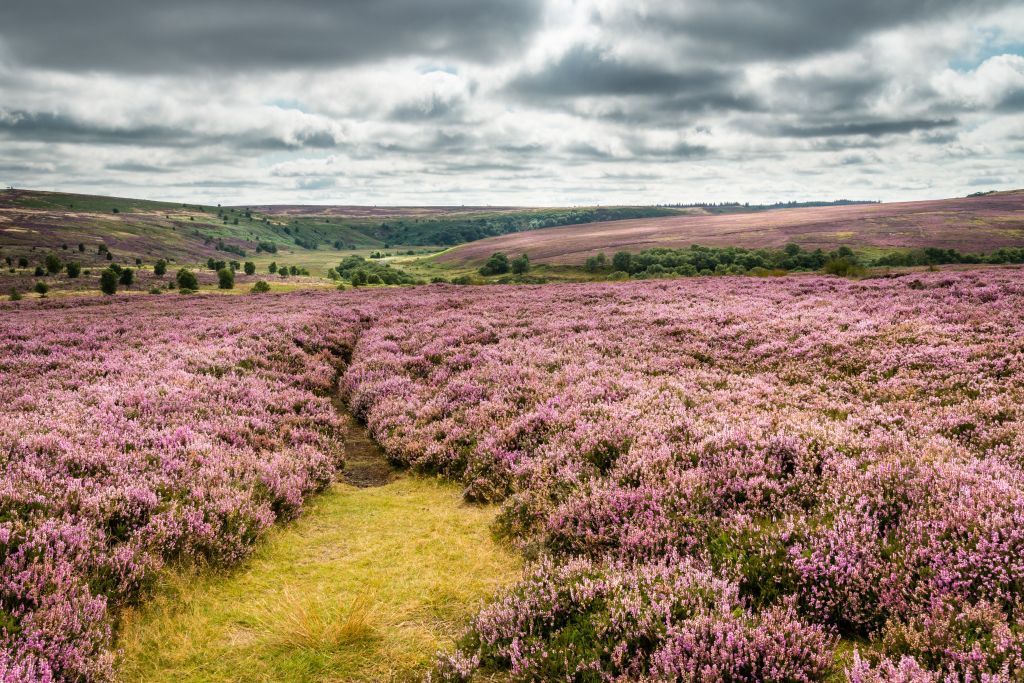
127	277
41	288
843	266
272	268
186	279
341	286
622	261
226	278
260	287
155	290
39	272
521	264
250	268
160	268
108	281
497	264
74	269
23	262
15	295
53	264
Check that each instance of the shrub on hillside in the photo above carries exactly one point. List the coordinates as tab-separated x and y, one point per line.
520	264
226	278
260	287
186	279
53	264
497	264
160	268
108	281
73	269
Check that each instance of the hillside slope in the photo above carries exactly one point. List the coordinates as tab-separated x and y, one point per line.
972	224
40	222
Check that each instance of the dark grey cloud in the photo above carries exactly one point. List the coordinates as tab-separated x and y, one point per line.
62	128
135	36
592	71
786	29
872	129
134	167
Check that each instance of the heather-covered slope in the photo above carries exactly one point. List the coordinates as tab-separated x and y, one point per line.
972	224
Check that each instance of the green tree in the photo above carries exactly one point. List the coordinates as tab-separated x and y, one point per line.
42	288
260	287
127	277
250	267
497	264
226	278
159	268
53	264
74	269
186	279
622	261
108	282
272	268
521	264
22	262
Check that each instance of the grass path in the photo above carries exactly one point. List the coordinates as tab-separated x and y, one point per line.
365	586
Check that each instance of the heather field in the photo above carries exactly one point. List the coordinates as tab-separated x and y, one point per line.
968	224
787	479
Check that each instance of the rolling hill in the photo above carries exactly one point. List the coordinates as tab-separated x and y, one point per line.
971	225
32	221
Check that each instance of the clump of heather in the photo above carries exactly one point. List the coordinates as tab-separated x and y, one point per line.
579	620
134	434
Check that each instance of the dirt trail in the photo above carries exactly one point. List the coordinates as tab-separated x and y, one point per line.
365	462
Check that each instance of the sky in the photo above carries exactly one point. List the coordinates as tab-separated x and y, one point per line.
512	102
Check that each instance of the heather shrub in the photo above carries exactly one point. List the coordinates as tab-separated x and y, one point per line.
667	621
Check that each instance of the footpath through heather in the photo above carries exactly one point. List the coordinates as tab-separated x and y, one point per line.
381	571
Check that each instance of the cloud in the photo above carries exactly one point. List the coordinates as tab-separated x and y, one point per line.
872	129
127	36
588	71
488	101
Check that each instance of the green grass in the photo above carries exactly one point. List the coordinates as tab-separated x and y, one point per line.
366	586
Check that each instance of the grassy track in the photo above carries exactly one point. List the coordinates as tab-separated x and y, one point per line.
365	586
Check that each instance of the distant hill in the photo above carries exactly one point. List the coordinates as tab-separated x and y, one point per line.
970	225
190	233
